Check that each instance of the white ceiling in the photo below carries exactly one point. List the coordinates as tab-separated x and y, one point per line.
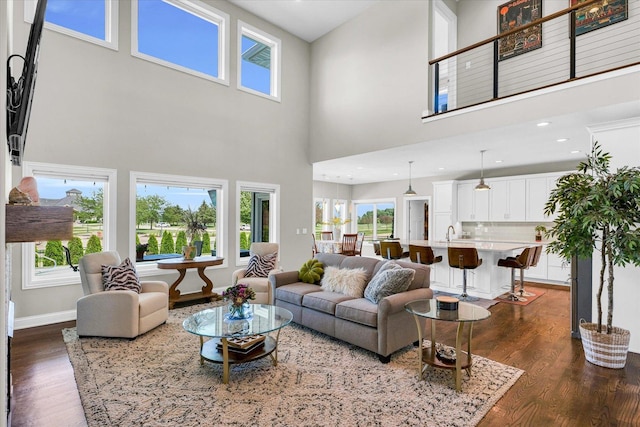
311	19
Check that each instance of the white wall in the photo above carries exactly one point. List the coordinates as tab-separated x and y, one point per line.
5	179
622	141
98	107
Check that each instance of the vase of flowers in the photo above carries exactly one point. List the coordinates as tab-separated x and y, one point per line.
238	297
336	223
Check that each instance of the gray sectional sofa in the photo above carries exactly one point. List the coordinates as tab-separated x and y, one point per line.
382	328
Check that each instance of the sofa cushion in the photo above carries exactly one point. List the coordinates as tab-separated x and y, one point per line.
421	279
121	277
358	310
388	282
294	292
365	263
311	271
344	280
324	302
261	265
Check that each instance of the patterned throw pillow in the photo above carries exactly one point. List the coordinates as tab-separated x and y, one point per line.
260	266
311	271
121	277
345	281
388	282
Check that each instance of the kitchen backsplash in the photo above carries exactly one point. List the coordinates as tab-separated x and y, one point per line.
502	231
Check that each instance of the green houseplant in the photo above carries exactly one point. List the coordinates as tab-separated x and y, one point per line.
599	210
193	227
539	230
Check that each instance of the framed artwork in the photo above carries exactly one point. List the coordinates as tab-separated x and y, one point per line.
514	14
600	14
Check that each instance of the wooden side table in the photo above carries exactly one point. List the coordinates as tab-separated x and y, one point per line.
182	265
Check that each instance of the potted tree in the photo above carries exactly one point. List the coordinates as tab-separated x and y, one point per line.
539	230
598	210
193	227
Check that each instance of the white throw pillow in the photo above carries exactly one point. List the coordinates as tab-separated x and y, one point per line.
345	281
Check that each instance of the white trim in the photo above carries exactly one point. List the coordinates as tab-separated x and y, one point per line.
110	25
274	212
200	10
150	269
109	177
275	44
45	319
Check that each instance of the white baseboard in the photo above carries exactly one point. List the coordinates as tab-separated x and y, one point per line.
44	319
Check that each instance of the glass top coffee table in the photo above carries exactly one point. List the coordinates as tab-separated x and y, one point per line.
238	341
443	357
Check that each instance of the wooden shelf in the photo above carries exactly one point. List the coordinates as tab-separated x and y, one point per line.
38	223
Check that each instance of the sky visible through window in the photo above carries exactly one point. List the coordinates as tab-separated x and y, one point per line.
87	17
254	76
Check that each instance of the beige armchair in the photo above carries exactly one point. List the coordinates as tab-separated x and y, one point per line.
261	285
122	314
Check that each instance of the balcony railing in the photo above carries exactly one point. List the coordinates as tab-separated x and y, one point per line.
571	44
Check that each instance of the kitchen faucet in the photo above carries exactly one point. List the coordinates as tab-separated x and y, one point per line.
448	235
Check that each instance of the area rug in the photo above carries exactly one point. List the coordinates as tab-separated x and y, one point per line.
157	380
529	299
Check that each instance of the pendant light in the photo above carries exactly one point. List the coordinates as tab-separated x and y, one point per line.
481	185
337	204
410	191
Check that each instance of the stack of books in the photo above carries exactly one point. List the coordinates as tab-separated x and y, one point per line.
243	345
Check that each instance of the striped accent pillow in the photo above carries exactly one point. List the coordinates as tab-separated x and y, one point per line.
260	266
121	277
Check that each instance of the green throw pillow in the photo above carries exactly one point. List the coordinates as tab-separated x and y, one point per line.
311	271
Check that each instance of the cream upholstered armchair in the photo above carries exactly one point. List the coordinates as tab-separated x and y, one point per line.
261	285
117	313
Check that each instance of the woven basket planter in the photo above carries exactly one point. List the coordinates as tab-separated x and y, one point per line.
607	350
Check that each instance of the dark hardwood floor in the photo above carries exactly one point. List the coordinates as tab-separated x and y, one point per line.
559	388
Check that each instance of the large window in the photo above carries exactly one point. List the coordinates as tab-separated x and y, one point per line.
376	219
91	193
186	35
159	204
95	21
257	216
258	62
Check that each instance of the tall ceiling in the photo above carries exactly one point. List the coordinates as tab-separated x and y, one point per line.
311	19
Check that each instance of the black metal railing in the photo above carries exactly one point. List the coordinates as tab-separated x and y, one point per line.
482	72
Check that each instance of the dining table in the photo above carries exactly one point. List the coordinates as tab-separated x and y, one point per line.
329	246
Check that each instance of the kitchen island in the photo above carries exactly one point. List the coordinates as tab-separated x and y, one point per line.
487	281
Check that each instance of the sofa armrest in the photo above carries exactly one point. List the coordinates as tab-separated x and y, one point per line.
283	278
238	274
154	286
395	303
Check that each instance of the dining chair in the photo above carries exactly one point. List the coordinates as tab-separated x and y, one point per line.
327	235
349	244
359	243
314	246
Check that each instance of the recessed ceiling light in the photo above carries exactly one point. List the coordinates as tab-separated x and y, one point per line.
395	174
575	151
541	124
360	168
440	169
498	161
562	139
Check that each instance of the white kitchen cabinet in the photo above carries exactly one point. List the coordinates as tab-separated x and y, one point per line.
444	196
472	205
538	191
441	222
558	269
508	200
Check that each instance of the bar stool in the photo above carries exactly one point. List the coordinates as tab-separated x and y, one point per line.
534	262
521	262
423	255
464	259
392	249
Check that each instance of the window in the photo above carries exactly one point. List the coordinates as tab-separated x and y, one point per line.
95	21
258	62
158	206
186	35
257	216
91	192
375	219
